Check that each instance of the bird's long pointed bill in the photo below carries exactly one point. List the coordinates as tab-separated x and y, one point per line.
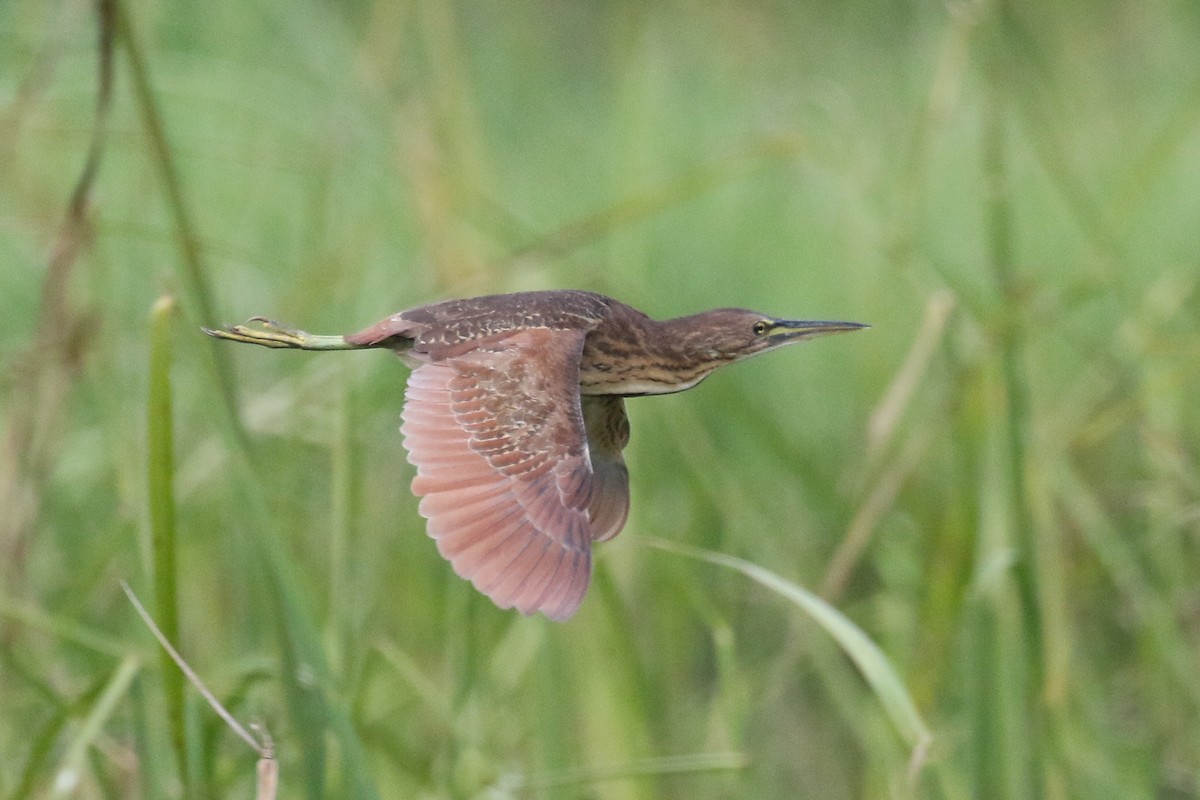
265	332
787	329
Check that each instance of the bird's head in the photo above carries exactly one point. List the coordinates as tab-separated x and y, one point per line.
732	334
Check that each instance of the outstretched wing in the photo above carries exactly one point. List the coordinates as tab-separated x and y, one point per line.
498	438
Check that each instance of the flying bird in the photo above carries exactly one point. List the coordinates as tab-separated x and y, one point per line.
514	417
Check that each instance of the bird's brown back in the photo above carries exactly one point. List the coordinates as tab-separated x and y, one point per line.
444	330
457	322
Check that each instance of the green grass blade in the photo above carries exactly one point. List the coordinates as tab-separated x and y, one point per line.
866	655
160	479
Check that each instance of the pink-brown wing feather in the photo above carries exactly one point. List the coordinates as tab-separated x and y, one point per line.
498	438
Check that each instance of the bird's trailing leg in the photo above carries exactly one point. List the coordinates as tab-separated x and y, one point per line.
268	333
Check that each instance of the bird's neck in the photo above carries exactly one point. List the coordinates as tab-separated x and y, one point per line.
637	355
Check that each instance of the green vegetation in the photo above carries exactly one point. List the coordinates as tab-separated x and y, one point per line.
999	484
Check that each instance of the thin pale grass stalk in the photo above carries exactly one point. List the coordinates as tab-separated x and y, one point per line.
160	476
1056	609
192	677
881	497
866	655
267	774
885	418
267	771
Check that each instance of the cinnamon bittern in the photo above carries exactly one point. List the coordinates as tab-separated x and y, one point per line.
514	417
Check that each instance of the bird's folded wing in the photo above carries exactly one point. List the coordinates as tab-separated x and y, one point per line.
607	433
498	439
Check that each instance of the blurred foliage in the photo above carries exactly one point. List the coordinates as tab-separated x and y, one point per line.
998	482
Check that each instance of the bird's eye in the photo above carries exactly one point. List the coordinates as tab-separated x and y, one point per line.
761	327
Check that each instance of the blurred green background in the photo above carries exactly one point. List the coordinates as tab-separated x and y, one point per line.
998	482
